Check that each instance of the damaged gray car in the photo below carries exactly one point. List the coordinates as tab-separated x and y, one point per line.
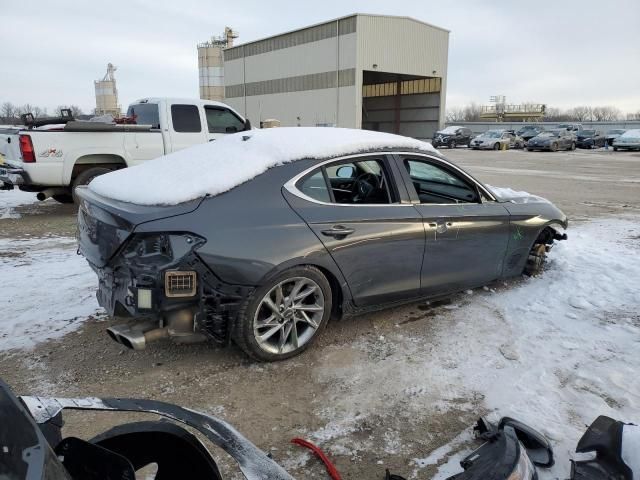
268	262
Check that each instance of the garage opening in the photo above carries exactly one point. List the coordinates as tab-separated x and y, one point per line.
403	104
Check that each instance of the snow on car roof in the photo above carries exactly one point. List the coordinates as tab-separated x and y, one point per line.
450	129
216	167
635	133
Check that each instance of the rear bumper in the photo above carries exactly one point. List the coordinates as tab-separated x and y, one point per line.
11	177
215	304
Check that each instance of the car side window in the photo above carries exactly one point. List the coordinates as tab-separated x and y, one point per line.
355	182
222	120
314	186
186	118
437	185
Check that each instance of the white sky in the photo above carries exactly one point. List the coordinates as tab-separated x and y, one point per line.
561	53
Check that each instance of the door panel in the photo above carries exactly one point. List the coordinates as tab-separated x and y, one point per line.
466	237
465	245
186	126
381	254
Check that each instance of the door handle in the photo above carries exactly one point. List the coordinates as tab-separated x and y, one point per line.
440	227
338	232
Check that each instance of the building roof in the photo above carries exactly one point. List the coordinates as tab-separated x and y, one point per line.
399	17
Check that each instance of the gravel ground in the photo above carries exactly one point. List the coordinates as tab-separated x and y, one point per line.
364	428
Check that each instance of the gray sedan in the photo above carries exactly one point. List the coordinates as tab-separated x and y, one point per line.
553	140
267	263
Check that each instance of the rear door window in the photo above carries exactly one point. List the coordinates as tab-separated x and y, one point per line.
144	114
186	118
222	120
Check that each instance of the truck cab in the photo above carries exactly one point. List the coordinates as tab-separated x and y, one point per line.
52	160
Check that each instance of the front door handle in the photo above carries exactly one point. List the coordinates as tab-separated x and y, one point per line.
338	232
441	227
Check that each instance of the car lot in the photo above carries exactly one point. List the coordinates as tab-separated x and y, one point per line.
389	387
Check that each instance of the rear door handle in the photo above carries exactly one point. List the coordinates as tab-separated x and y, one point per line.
338	231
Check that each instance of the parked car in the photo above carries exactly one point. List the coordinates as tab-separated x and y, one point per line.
590	139
261	237
452	136
529	131
553	140
571	127
613	134
496	139
629	140
55	161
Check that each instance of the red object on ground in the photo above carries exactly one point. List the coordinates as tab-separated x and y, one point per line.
331	469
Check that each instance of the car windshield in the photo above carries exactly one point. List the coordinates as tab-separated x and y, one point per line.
618	131
492	134
548	134
588	133
449	130
528	127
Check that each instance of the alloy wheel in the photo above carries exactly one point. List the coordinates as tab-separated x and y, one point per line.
289	315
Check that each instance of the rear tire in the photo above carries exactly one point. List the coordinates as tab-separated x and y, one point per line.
257	315
554	147
84	178
63	198
573	146
496	146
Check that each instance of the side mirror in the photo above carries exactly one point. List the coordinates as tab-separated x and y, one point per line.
346	171
247	125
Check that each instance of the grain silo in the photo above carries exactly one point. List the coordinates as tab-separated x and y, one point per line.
107	94
211	65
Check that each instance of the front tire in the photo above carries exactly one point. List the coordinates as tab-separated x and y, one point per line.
496	146
573	146
283	317
85	177
554	147
452	144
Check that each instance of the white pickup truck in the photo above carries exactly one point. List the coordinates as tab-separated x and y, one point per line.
53	160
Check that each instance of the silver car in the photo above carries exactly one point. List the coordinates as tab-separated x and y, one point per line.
629	140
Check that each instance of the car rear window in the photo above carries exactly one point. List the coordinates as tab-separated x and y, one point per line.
186	118
144	114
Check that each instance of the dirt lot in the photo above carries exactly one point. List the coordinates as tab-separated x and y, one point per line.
349	392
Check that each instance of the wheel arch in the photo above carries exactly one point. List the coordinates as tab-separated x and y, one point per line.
85	161
340	292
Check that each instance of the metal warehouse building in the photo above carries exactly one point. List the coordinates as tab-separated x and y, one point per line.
361	71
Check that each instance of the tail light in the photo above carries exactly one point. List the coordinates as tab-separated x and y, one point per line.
26	149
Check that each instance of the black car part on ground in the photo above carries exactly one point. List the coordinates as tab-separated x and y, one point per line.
33	447
31	453
604	437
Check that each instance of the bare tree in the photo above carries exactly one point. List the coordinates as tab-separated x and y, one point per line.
472	112
607	113
455	115
582	113
8	111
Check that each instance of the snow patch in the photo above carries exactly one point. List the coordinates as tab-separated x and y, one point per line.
554	351
631	448
10	199
216	167
47	290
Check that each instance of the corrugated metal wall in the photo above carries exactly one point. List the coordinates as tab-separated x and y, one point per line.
403	45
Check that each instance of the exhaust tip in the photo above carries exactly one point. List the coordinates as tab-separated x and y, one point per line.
41	196
114	336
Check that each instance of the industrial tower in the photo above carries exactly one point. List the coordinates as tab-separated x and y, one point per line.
211	65
107	94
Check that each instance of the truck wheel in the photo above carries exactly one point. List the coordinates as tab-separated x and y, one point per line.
84	178
63	198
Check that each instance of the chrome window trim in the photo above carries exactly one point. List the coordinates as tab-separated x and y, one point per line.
291	187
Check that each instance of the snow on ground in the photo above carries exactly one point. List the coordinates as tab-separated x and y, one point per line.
9	199
47	290
554	351
216	167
